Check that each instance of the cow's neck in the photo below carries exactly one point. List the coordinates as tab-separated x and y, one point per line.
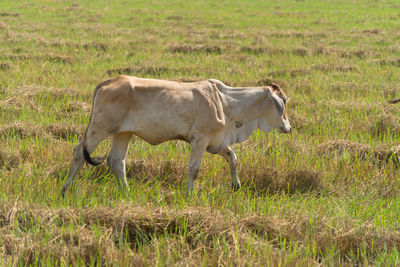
243	104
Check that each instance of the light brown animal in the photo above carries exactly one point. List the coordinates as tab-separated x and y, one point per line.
209	115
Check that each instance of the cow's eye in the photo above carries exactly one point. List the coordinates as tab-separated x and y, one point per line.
284	101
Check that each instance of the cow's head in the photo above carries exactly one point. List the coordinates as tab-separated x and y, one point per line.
276	115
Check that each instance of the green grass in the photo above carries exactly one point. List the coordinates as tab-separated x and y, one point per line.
328	193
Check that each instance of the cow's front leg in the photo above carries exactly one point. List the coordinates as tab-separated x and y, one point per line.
198	147
231	158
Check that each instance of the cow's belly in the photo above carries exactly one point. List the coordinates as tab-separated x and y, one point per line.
157	131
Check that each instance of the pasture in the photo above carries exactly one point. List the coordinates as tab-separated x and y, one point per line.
326	194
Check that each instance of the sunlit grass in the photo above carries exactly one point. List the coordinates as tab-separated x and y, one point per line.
328	193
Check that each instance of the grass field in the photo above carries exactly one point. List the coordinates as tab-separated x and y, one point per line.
326	194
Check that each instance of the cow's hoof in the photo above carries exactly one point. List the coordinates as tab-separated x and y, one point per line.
235	187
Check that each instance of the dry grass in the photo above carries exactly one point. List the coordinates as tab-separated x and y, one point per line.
390	62
26	96
374	31
9	159
355	53
268	81
28	130
76	107
269	180
84	45
48	57
335	68
385	124
9	14
141	226
292	73
169	172
147	70
196	49
357	150
5	66
301	51
310	198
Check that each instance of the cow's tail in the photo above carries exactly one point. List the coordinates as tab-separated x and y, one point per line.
91	161
394	101
86	154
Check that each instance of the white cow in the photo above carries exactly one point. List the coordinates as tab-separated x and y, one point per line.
209	115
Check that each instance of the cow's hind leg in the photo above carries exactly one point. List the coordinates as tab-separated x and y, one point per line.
116	159
78	159
231	158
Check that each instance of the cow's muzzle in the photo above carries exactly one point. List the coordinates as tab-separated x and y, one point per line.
285	130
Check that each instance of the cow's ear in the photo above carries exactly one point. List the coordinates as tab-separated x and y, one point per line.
275	101
275	87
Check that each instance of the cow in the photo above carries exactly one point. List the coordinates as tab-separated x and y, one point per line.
209	115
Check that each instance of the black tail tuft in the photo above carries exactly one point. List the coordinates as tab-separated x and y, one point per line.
94	162
394	101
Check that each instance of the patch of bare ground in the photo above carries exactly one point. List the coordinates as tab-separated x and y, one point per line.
111	234
387	62
357	150
147	70
27	130
9	159
208	49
